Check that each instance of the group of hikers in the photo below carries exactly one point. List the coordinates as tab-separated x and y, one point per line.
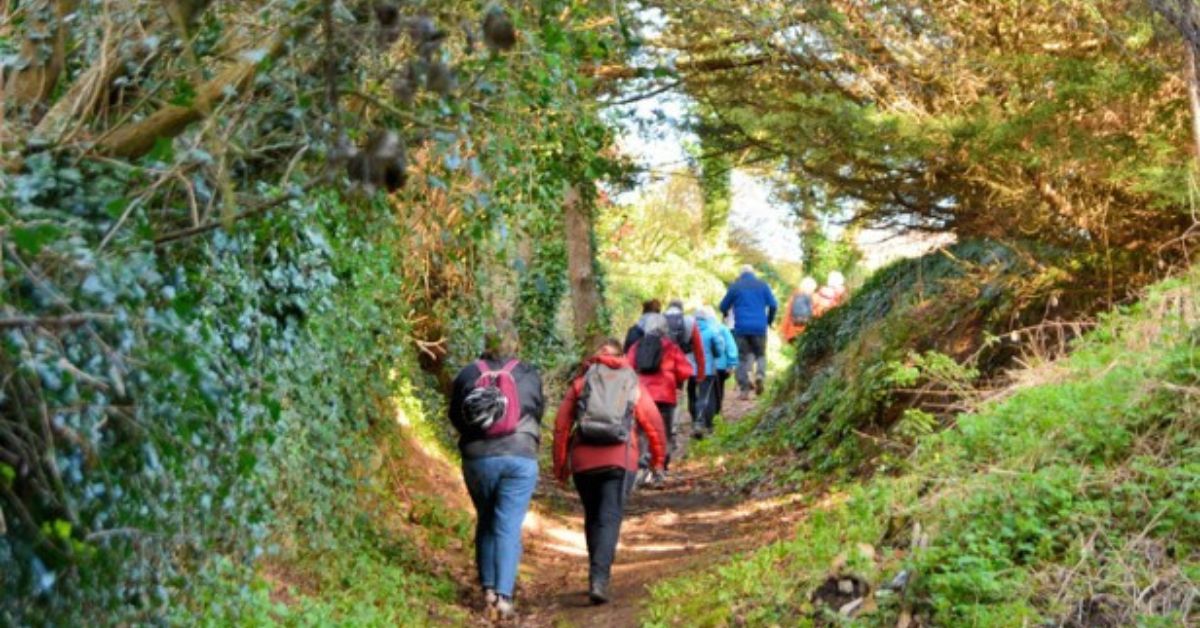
614	429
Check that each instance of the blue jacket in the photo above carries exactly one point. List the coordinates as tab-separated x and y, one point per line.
753	305
729	360
713	343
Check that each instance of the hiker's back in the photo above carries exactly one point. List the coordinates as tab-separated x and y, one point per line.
606	404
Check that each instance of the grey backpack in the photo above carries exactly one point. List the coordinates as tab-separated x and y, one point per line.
604	414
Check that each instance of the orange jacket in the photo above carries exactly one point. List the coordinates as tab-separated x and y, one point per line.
787	328
585	457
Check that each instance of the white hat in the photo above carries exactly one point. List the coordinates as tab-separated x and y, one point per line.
808	285
836	280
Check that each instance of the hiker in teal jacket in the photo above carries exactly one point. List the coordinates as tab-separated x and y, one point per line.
712	342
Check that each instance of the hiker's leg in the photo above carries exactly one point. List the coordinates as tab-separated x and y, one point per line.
607	531
745	358
588	486
519	478
719	390
760	353
667	410
704	399
643	449
691	399
480	479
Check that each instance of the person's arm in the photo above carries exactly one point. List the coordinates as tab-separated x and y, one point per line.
648	417
534	402
698	343
772	305
726	303
458	394
562	432
635	334
683	368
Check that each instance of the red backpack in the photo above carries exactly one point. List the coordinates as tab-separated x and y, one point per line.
503	381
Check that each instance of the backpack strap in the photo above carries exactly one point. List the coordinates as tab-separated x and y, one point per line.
510	365
483	367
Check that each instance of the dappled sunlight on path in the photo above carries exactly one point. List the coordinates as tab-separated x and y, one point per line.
690	523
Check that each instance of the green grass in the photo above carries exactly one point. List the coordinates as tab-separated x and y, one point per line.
1082	492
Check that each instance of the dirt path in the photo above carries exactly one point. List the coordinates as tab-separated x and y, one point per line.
690	523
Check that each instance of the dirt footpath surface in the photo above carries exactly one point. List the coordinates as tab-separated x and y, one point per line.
689	524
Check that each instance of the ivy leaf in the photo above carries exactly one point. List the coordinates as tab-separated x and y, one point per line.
31	239
7	475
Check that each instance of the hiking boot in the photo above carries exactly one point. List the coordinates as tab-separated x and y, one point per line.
598	591
642	476
759	387
503	609
656	479
698	434
744	395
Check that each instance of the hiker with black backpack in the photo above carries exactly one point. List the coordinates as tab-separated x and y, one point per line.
799	311
662	368
496	405
635	333
684	332
596	442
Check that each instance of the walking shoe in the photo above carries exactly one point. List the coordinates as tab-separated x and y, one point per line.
641	477
758	386
656	479
744	395
489	598
504	609
698	435
598	591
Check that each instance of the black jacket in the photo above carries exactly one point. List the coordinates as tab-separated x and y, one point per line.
524	442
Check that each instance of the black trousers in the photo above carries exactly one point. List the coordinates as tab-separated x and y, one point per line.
691	394
667	410
603	494
719	389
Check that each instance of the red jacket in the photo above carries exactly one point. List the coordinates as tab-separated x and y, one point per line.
675	370
585	457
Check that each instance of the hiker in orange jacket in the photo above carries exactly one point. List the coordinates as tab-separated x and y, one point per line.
603	467
799	310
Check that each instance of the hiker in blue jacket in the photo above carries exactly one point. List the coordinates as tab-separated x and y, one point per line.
754	307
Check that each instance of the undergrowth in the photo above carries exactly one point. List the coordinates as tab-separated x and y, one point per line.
1072	502
858	369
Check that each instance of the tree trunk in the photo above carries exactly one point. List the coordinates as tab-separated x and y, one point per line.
1193	82
585	290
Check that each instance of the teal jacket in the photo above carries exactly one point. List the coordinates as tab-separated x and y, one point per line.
729	360
713	342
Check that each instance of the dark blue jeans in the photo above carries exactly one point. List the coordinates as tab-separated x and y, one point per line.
500	487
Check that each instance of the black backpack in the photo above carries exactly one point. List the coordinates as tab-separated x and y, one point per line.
648	358
678	331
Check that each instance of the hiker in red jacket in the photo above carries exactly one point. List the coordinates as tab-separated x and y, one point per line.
662	368
595	440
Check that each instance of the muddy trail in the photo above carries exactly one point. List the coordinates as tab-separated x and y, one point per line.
691	522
